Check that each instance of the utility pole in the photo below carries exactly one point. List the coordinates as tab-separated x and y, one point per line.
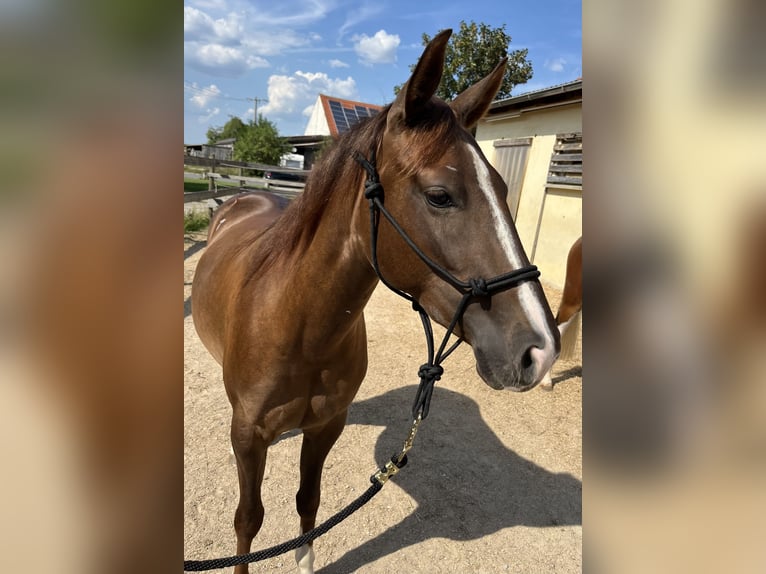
255	107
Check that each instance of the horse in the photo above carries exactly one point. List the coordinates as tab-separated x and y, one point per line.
569	314
279	293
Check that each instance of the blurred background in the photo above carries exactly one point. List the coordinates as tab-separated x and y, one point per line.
90	319
675	268
90	315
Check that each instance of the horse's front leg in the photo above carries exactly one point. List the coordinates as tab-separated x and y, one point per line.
250	446
317	442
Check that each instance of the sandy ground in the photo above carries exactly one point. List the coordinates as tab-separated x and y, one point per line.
493	484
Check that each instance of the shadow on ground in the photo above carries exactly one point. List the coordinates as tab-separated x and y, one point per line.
466	484
568	374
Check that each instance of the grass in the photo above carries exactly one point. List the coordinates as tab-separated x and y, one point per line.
195	221
202	184
195	185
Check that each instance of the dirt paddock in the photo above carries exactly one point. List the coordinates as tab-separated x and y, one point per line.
493	484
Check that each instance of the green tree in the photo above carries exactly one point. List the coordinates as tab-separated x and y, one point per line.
260	142
472	53
231	129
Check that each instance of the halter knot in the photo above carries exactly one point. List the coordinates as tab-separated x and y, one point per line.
478	287
373	189
430	373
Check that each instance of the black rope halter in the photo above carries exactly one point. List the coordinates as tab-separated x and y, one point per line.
478	287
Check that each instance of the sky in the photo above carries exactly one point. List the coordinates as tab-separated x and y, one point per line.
287	52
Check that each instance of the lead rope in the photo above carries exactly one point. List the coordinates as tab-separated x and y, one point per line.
398	461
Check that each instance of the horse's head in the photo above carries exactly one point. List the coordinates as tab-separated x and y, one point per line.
452	203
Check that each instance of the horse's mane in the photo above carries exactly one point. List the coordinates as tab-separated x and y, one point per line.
338	173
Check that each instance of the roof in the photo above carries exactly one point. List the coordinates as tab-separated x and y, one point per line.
343	114
561	93
309	142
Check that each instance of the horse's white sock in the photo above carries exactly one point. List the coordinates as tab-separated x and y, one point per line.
304	556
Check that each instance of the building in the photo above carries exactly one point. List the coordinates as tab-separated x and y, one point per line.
535	141
221	150
334	116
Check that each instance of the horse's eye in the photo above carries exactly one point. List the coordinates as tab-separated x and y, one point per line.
439	198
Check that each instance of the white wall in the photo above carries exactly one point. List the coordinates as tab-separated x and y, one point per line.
548	220
317	125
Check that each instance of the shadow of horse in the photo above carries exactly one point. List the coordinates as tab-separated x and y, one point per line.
196	245
568	374
481	487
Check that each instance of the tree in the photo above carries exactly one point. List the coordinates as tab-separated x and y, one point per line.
231	129
260	142
472	53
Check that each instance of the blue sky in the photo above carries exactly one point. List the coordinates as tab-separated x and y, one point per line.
286	52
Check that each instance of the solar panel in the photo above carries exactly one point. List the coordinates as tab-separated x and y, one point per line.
351	116
340	121
346	114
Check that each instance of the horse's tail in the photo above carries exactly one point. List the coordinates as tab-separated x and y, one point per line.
569	332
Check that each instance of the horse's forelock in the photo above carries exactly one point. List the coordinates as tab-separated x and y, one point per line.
425	143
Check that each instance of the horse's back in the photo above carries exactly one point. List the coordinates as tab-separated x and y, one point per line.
224	267
261	209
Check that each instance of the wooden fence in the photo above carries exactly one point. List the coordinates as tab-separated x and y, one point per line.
285	188
213	163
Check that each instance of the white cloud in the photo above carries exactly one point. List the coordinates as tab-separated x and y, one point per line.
555	65
209	115
338	64
293	94
359	14
201	27
378	49
290	13
273	42
209	4
202	96
220	60
232	44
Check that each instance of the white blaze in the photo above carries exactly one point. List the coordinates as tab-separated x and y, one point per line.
530	303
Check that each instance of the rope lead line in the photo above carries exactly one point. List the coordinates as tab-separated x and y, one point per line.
397	462
295	543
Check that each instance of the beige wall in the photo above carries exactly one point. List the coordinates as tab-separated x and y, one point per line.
548	220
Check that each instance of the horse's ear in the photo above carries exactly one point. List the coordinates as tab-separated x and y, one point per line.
420	88
469	106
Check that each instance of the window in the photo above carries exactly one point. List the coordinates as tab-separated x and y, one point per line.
566	162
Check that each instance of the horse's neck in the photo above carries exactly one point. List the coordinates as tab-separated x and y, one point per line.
334	273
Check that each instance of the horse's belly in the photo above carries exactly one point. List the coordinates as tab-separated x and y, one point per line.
223	267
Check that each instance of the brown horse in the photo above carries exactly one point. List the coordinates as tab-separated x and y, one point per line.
278	296
569	315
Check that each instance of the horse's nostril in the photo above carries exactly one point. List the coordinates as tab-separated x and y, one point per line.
526	359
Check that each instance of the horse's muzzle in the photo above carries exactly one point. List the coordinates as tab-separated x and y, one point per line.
526	368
